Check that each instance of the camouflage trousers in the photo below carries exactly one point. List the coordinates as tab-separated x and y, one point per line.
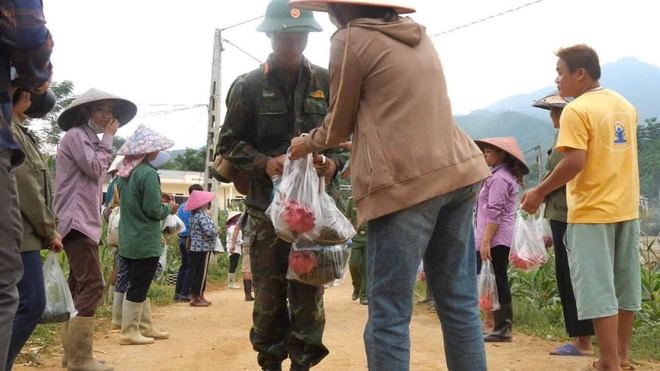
357	264
280	330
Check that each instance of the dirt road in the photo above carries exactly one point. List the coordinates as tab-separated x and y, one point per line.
216	338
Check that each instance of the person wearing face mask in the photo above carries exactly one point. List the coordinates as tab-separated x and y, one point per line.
35	194
82	162
414	176
142	207
266	108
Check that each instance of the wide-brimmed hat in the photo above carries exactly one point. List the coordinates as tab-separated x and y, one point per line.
114	166
124	110
553	100
280	18
161	159
400	6
143	141
232	215
198	199
506	144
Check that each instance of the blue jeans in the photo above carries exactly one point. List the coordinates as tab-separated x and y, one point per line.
31	305
436	230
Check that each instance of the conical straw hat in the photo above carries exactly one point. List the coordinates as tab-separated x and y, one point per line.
400	6
506	144
124	110
198	199
553	100
143	141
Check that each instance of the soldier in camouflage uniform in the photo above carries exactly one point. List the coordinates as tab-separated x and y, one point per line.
284	98
358	260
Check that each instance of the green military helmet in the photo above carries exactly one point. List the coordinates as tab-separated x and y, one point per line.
281	18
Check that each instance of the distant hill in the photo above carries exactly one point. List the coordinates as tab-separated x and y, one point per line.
528	131
637	81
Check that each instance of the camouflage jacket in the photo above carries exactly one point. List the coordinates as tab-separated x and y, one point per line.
262	118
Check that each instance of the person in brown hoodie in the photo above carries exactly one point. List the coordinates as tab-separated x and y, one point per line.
415	175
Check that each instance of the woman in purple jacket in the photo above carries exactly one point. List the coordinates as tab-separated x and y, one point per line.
496	210
82	162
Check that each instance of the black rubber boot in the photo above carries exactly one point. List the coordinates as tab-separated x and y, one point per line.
247	288
503	320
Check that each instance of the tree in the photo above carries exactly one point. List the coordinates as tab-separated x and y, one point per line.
117	142
648	150
52	134
191	160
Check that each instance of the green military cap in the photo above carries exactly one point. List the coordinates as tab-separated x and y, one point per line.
280	18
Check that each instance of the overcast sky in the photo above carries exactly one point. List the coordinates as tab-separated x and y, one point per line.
159	53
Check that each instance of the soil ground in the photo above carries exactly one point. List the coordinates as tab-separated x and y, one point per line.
216	338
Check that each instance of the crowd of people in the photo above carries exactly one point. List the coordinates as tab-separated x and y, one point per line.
437	201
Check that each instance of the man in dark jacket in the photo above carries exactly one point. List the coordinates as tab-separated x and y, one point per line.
267	107
26	45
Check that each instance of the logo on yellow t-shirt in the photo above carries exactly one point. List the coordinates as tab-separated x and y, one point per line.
620	133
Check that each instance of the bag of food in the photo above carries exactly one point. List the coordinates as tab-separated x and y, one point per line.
113	228
487	289
59	302
172	226
296	208
335	227
317	265
527	248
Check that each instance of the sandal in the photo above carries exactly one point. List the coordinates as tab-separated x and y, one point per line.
592	367
568	349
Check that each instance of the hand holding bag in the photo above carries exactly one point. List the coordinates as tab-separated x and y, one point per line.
172	226
296	208
528	249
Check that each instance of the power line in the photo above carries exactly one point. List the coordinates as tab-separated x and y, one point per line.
164	112
244	52
488	18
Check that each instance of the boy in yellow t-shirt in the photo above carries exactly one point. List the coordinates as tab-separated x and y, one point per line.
598	137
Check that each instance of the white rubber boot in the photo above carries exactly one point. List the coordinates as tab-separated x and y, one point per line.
130	325
146	324
117	305
231	281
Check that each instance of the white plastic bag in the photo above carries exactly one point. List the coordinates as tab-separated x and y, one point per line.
335	227
296	209
59	302
172	226
527	249
113	228
544	228
488	300
218	248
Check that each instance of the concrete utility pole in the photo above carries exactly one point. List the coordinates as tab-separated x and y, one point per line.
214	113
215	104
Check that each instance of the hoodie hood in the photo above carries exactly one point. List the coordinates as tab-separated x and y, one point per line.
404	30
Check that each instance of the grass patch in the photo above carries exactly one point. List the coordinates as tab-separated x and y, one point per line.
161	294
